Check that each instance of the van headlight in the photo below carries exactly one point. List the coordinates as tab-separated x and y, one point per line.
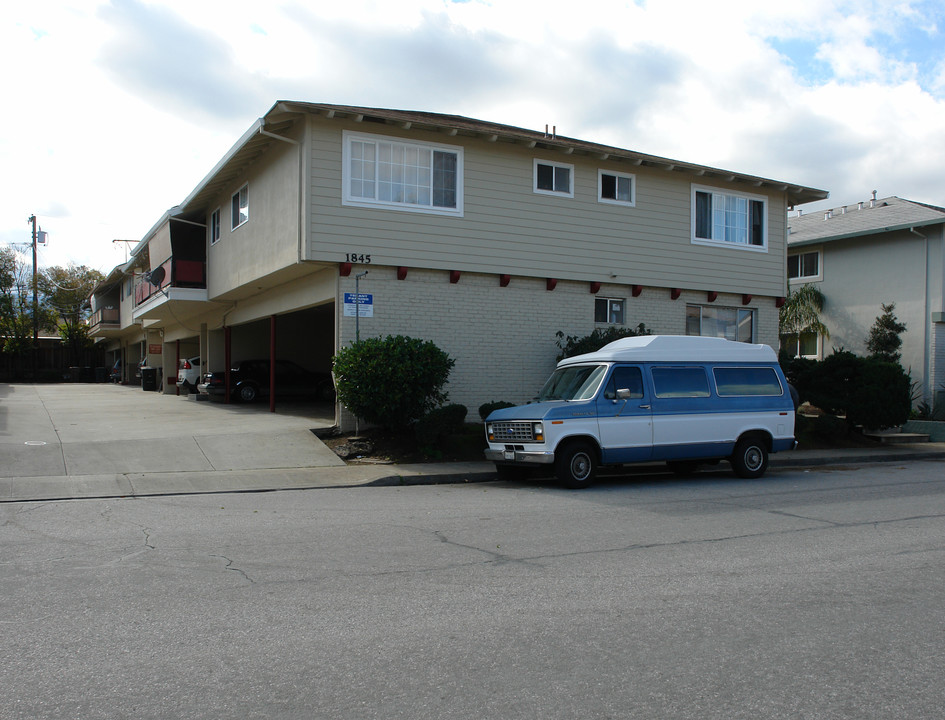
489	434
538	432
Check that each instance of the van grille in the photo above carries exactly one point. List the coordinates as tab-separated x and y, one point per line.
508	432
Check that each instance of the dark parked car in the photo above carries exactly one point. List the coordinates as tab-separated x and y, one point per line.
249	379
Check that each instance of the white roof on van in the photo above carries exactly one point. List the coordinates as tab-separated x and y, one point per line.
676	348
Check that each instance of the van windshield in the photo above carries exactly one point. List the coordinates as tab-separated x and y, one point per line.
579	382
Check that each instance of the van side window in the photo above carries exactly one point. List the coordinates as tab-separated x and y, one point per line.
625	378
679	382
747	381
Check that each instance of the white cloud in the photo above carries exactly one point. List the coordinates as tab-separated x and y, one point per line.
118	109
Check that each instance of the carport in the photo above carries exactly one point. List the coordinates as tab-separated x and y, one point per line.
305	337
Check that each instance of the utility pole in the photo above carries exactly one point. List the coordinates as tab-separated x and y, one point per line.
35	301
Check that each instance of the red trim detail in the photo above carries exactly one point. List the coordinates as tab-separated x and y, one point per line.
746	298
344	269
674	293
454	276
551	284
504	280
636	290
712	296
779	302
595	288
401	273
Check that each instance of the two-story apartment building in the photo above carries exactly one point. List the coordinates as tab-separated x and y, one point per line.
875	252
484	238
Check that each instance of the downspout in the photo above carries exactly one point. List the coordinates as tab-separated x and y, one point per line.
926	320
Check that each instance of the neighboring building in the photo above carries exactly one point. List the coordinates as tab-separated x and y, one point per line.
483	238
864	255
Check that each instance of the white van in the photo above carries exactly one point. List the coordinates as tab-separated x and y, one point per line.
679	399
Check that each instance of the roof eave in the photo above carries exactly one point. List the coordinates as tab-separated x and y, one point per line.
495	132
863	233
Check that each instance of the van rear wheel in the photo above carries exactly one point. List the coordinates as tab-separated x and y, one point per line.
576	465
750	459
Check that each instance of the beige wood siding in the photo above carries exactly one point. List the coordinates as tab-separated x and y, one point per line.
269	240
507	228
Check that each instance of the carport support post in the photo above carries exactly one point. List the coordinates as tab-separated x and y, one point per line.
226	363
177	365
272	363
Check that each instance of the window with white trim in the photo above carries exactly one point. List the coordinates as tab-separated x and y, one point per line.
729	218
804	345
804	266
382	171
214	226
239	207
610	310
616	188
724	322
553	178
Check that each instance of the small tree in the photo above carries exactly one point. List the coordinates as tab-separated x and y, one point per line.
392	381
65	292
16	308
884	340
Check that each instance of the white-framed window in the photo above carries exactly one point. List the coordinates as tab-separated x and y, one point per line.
728	218
726	322
616	188
553	178
240	207
804	266
402	175
805	345
214	226
610	310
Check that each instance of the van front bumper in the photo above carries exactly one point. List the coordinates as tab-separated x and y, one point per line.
536	457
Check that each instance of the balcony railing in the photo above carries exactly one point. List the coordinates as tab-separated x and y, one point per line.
105	316
177	273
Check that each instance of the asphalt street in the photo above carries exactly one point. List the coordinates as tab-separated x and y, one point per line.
809	594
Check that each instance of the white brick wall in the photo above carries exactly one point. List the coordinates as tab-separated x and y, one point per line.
503	338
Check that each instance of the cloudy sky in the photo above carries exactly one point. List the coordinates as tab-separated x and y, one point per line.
115	110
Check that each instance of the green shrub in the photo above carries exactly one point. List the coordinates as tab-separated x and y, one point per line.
486	408
869	392
882	395
829	427
392	381
800	373
573	345
438	423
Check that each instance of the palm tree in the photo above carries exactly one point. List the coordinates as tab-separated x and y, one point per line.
800	313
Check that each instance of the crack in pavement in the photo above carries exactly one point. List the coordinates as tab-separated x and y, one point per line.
229	566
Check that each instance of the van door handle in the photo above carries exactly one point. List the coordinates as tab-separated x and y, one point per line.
644	407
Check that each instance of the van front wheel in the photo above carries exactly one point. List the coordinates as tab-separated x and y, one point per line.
750	459
575	465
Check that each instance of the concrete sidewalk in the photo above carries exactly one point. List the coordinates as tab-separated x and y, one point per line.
340	476
98	441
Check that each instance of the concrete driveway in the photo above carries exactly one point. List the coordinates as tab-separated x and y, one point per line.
103	429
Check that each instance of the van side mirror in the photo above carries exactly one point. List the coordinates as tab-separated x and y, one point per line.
624	394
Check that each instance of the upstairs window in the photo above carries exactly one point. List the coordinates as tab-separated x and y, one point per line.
553	178
215	226
615	188
804	266
240	207
402	175
728	218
